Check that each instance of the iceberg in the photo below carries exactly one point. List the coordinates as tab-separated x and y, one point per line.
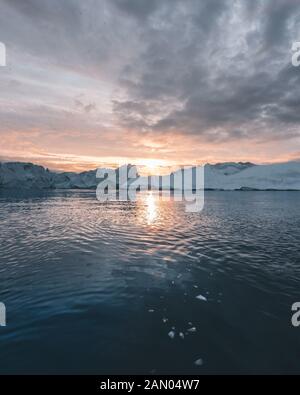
222	176
16	175
283	176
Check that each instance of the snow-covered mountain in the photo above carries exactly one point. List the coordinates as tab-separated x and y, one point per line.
226	176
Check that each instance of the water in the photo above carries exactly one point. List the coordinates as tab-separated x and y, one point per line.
96	288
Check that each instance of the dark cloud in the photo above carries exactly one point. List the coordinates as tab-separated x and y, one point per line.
138	9
278	14
225	64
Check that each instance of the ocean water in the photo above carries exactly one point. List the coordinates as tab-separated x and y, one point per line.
97	288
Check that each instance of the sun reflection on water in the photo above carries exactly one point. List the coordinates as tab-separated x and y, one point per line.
151	207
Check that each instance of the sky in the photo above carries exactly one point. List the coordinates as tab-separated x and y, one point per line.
157	83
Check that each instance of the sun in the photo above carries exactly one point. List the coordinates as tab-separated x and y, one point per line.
151	166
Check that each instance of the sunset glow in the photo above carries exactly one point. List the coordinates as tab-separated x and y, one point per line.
167	95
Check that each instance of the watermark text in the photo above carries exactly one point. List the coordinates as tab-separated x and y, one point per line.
186	184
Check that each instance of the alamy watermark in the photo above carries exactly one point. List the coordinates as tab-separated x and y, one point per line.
2	314
296	54
186	184
2	55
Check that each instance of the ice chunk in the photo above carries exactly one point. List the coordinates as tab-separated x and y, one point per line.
201	297
199	362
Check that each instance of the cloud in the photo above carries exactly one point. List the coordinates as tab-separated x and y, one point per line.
136	8
226	72
214	72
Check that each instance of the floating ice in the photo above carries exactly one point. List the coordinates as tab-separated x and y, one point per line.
201	297
165	320
171	334
181	335
192	330
199	362
151	311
